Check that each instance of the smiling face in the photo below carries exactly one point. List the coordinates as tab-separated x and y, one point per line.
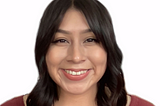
75	60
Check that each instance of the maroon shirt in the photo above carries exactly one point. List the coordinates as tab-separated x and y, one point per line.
17	101
135	101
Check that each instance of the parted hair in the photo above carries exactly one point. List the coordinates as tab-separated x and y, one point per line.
45	92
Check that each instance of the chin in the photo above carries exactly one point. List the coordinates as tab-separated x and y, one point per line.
77	89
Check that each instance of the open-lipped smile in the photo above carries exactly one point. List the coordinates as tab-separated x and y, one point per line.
76	74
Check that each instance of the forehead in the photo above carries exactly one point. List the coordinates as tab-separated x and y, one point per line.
74	20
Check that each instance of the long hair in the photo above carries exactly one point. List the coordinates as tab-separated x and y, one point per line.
99	20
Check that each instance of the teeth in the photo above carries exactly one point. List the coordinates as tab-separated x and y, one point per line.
78	73
75	73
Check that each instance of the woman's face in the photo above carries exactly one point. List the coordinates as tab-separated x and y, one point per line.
75	60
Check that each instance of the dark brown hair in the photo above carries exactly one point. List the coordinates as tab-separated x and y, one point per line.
99	20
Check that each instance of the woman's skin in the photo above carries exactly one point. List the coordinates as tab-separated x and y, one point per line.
75	50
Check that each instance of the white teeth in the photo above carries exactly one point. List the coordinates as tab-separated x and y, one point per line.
78	73
75	73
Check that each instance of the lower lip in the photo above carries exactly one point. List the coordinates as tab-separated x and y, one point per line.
76	77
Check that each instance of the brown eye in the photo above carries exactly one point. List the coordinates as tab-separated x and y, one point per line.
91	40
60	41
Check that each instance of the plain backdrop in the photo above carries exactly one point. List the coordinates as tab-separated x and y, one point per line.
137	28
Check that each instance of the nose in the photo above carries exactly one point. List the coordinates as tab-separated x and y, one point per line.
76	54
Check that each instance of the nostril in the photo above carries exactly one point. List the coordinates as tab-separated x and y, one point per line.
76	59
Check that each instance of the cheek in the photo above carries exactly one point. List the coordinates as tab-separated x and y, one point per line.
98	57
55	56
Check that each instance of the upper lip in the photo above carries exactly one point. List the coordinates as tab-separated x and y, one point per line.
76	70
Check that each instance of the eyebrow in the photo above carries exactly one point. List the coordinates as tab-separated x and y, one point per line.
68	32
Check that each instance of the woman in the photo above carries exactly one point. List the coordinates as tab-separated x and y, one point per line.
78	59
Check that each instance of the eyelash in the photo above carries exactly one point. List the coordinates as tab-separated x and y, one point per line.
60	41
65	41
93	40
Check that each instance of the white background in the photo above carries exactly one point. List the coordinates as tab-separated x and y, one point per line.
137	28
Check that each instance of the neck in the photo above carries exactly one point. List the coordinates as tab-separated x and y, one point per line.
87	98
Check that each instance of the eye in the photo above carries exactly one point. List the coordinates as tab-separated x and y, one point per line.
60	41
90	40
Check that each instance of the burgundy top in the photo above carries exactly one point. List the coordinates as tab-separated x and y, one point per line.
135	101
17	101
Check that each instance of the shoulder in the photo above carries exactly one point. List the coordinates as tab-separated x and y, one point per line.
16	101
137	101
